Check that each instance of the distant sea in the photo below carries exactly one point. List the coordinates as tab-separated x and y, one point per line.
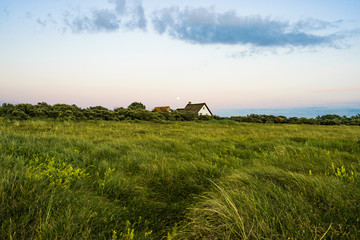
308	112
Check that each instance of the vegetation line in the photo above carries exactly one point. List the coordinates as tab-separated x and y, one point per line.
137	111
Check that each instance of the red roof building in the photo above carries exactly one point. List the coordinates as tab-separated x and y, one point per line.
162	109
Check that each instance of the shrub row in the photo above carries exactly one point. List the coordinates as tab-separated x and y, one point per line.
329	119
137	111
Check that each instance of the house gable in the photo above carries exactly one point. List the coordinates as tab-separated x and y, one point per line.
204	111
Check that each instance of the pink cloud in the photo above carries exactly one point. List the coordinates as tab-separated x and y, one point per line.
337	89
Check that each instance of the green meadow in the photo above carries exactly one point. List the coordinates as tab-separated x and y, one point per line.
178	180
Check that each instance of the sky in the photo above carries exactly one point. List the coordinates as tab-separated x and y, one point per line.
231	54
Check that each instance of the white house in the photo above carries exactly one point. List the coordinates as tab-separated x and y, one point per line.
198	108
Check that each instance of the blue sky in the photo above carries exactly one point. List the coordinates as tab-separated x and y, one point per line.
229	54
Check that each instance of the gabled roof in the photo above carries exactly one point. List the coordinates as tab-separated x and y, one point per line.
164	108
196	107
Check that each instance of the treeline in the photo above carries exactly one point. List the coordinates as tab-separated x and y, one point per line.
137	111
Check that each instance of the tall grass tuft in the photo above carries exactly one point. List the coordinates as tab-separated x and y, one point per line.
274	204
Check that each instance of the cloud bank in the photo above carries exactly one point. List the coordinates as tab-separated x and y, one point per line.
124	14
205	26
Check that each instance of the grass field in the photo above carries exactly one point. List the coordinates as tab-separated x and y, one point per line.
178	180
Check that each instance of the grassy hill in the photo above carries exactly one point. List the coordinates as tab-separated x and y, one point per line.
178	180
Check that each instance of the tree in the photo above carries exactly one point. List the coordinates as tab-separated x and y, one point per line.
136	105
